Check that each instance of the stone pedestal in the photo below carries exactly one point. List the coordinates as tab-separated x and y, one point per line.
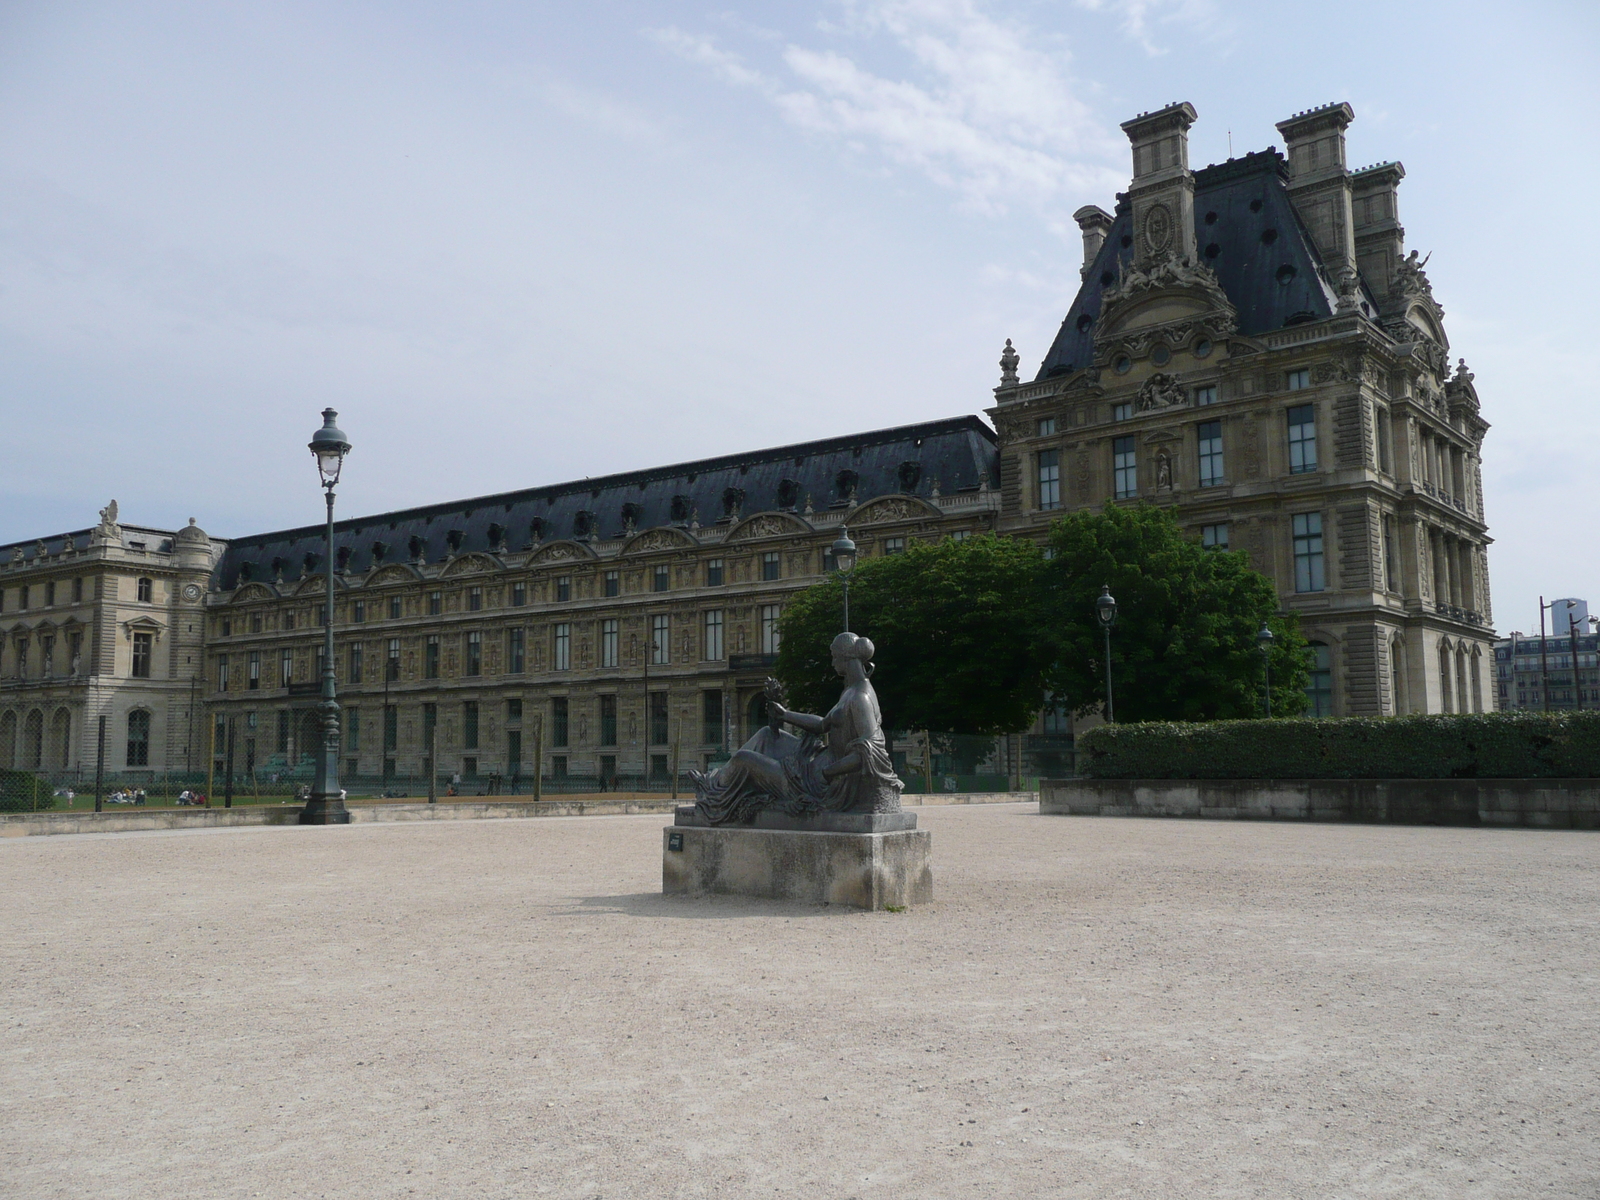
874	870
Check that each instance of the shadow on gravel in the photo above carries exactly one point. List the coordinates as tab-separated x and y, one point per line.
703	908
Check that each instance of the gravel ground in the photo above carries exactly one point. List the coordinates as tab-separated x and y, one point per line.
1092	1008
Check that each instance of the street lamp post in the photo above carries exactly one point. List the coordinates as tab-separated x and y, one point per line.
1264	640
326	803
1105	611
844	561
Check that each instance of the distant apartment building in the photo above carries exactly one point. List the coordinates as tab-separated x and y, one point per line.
1554	671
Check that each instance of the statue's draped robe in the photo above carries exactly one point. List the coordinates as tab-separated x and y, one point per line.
781	771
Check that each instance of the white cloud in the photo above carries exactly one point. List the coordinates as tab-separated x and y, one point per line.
978	107
1137	17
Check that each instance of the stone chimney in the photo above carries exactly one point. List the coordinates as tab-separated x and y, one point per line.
1162	193
1319	181
1380	238
1096	224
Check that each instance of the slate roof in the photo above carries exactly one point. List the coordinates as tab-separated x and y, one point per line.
906	459
1246	231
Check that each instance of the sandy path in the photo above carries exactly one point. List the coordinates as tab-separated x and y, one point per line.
1092	1008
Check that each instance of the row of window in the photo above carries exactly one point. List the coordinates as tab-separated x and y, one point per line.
712	646
1302	444
52	593
1202	397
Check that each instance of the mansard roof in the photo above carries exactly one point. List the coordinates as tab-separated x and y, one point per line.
1246	231
834	473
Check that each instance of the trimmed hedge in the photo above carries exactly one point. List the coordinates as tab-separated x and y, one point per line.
22	792
1470	746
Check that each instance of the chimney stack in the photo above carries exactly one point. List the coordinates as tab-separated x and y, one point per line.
1380	238
1162	193
1319	183
1096	224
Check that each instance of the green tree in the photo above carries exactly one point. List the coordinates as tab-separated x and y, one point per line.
956	626
1184	647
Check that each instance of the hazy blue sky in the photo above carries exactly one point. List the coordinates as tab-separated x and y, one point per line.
516	244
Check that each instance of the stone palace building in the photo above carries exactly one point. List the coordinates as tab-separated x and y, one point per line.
1251	347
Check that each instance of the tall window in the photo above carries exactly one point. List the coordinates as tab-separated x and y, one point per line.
435	603
613	581
770	565
1391	581
1214	537
1308	573
395	608
222	672
252	674
561	651
660	735
355	662
430	657
1298	381
283	731
893	545
1124	468
469	724
1205	395
391	728
1319	689
475	653
769	628
660	640
1380	418
138	738
563	588
474	599
559	710
1047	426
1049	479
608	642
516	650
143	644
77	590
1122	412
1444	678
1302	439
391	667
50	594
358	611
608	720
713	572
1210	441
514	751
145	588
285	667
661	579
22	598
711	718
713	636
514	710
519	594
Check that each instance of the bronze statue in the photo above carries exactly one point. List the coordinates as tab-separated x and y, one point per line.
838	764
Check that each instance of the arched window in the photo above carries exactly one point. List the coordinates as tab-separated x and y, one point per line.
60	740
1397	670
1477	680
33	741
1319	689
1445	701
138	738
1461	679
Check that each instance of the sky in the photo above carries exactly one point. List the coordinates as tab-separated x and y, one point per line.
519	244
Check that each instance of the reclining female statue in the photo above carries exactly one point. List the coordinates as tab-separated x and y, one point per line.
840	763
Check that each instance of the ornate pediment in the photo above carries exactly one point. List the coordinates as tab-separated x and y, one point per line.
661	538
892	508
1171	292
393	573
766	525
315	585
559	552
253	591
142	624
469	564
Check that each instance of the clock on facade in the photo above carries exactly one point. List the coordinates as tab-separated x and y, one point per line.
191	591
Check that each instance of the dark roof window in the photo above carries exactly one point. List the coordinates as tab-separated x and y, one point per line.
1268	236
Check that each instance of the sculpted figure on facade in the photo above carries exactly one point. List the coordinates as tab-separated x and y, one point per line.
839	763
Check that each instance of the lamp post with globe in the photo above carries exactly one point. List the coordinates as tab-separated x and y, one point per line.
844	561
1264	639
326	803
1105	611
